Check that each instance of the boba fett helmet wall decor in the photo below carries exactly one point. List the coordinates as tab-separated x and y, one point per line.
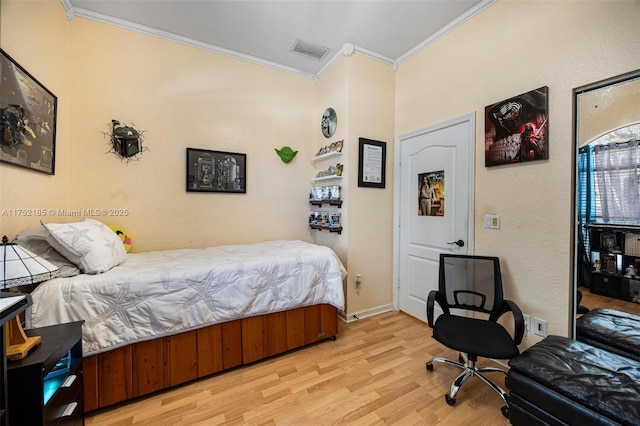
126	141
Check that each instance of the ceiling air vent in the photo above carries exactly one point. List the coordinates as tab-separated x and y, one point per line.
310	50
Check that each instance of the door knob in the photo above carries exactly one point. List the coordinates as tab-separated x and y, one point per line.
459	243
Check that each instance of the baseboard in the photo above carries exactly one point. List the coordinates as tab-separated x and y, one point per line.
355	316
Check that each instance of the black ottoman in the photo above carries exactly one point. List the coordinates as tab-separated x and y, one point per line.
611	330
560	381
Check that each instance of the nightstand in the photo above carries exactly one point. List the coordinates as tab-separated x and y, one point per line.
46	387
11	304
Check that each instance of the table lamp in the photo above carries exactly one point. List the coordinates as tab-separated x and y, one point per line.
21	267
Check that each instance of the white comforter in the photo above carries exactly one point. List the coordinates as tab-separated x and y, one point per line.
167	292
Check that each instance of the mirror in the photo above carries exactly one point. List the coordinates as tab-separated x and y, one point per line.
607	200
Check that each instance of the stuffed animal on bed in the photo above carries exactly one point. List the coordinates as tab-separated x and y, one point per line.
124	235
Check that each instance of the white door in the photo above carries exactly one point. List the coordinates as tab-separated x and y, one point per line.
435	215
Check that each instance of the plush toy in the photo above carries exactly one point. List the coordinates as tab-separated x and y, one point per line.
124	235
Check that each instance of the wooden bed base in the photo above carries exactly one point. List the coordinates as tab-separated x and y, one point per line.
141	368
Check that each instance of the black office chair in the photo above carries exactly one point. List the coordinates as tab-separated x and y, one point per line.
472	285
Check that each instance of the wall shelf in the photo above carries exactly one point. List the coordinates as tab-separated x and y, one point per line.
328	220
615	258
319	203
322	178
331	154
337	229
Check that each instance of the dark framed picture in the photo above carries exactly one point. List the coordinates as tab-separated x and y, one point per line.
27	119
372	158
517	129
608	241
216	171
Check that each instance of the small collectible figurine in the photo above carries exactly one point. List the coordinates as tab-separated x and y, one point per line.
596	266
630	272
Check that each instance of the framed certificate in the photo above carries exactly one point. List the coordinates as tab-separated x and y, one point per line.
371	163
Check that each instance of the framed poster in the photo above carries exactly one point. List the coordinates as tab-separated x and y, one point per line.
517	129
27	119
216	171
372	158
431	193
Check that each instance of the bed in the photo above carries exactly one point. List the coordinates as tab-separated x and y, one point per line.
154	320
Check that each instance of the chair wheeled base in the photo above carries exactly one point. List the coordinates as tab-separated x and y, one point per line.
470	369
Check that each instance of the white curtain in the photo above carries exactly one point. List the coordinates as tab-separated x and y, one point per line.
616	178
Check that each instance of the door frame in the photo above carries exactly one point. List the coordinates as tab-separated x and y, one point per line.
471	118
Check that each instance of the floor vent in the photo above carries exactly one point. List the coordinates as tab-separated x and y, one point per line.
310	50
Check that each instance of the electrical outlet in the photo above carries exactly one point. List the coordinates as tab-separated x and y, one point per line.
492	221
527	322
540	327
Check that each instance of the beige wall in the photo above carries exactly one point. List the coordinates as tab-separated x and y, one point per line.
185	97
371	94
510	48
43	57
361	91
181	97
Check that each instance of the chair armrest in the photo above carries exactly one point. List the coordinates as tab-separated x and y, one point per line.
435	296
518	319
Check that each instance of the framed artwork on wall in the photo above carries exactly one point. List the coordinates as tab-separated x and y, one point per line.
517	129
372	158
216	171
27	119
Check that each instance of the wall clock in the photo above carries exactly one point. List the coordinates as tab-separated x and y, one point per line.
329	122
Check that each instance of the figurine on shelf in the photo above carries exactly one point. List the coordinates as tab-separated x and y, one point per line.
630	272
332	147
597	266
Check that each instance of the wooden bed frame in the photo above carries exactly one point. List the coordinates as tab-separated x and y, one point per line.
141	368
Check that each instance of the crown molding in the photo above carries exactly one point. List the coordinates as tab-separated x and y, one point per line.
479	7
143	29
347	50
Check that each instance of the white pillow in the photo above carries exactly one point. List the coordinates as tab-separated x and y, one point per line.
89	244
35	240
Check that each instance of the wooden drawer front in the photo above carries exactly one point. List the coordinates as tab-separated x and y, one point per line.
231	344
329	321
312	324
252	345
209	350
181	357
295	328
275	333
66	403
115	376
147	368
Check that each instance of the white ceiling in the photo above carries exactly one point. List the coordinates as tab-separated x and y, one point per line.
264	31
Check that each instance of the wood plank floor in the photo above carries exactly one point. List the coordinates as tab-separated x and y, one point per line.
593	301
373	374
